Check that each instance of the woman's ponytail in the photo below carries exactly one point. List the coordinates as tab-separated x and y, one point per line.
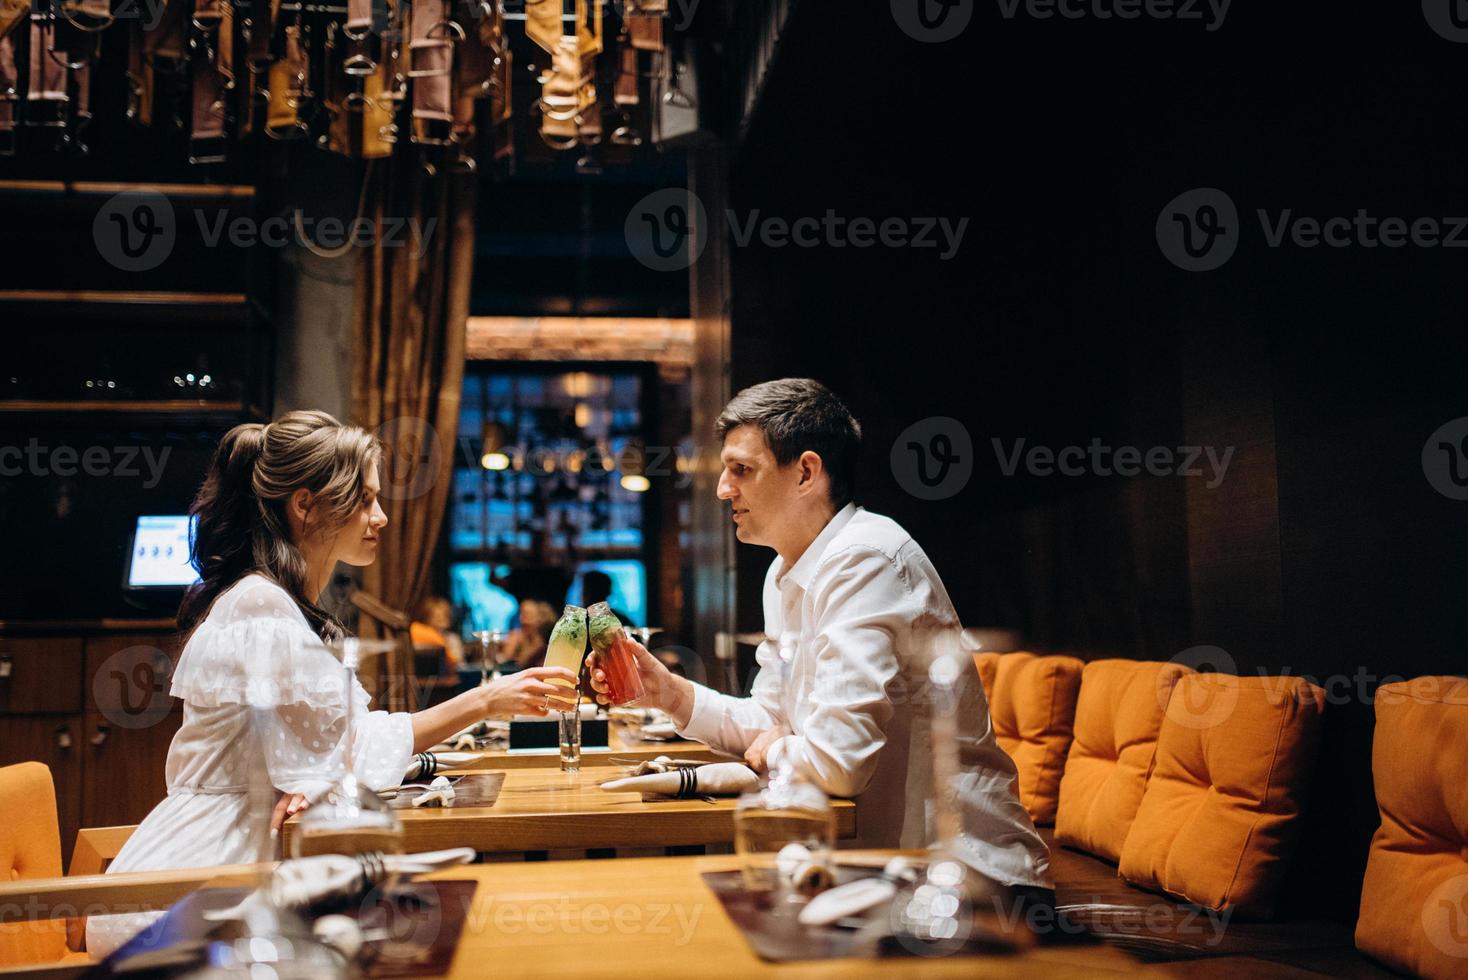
227	512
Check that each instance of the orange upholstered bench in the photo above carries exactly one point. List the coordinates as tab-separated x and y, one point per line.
1220	811
1414	899
1032	702
1117	721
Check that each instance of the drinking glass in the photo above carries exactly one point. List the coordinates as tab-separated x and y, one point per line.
491	642
350	818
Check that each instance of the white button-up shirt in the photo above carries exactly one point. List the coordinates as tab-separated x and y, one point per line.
851	684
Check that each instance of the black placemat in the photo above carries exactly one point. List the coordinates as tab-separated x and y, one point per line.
776	935
478	789
419	926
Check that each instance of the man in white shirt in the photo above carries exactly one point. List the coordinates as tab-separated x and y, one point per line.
850	602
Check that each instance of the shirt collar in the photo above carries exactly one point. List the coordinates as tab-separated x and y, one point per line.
805	569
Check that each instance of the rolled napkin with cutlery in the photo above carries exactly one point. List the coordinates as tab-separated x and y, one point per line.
662	764
426	765
306	882
440	793
714	779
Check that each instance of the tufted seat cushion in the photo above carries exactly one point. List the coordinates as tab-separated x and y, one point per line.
1217	819
1032	701
30	847
1414	898
1118	718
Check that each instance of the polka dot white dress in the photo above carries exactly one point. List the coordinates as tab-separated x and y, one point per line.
254	649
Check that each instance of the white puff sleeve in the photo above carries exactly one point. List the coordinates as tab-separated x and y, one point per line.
256	650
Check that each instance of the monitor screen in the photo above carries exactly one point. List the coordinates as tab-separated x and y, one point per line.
160	553
629	587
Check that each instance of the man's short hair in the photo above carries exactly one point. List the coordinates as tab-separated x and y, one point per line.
799	414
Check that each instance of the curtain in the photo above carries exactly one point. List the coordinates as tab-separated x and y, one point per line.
411	307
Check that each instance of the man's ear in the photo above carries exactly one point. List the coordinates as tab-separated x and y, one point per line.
811	467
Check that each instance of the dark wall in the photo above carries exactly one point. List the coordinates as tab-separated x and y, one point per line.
1325	550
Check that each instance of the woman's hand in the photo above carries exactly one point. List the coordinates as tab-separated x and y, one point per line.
525	693
286	807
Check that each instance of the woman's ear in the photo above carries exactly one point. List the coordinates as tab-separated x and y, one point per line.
298	506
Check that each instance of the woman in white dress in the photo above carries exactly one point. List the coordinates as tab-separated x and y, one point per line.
281	505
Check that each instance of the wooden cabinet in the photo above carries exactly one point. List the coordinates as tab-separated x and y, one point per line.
96	710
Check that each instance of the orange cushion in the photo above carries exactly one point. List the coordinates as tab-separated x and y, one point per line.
1117	721
1414	898
30	847
1032	701
1218	815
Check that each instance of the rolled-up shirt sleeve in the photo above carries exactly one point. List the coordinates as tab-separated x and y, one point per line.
729	724
862	611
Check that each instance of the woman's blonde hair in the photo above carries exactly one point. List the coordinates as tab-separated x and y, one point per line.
241	506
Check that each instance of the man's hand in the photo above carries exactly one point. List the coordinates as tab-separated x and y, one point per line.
661	688
756	754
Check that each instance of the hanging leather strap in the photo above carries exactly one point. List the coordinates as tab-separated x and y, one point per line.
12	15
646	31
287	89
626	91
543	23
430	66
9	95
46	96
213	79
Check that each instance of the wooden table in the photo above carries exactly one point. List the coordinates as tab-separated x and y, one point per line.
655	917
621	748
546	810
